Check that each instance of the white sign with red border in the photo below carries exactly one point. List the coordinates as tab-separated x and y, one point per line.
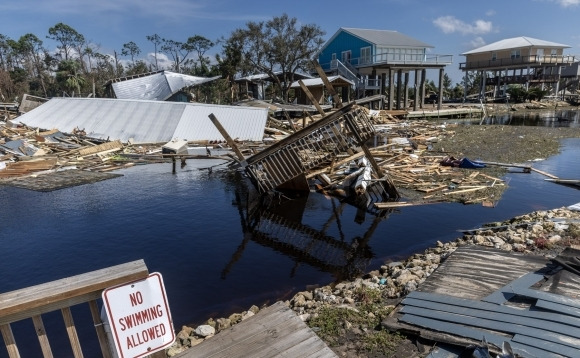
139	317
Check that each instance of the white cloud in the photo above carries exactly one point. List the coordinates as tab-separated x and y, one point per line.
477	42
450	24
567	3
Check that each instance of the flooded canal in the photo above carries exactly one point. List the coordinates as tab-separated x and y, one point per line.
219	251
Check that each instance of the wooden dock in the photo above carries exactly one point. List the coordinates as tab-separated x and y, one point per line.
528	301
275	331
464	112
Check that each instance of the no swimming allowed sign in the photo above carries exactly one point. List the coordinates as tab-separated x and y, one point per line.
139	317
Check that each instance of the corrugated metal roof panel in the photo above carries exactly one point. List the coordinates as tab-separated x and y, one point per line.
146	121
515	42
156	87
310	82
386	37
243	123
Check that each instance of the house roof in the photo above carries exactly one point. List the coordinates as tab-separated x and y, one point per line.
157	86
515	42
266	77
381	38
316	82
146	121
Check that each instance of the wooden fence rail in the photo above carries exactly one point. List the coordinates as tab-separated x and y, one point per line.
32	302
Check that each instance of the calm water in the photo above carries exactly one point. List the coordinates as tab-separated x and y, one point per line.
218	252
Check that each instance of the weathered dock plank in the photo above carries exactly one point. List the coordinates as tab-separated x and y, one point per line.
275	331
524	300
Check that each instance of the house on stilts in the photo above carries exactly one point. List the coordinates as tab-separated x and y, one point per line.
380	62
521	61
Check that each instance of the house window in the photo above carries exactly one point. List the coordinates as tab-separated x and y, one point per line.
515	54
365	55
553	52
333	56
345	56
494	56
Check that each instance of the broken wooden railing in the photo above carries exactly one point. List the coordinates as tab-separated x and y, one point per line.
32	302
312	147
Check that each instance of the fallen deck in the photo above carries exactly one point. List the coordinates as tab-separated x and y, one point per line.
525	300
275	331
445	113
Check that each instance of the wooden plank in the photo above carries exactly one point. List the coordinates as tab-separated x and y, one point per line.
546	296
72	332
101	334
311	97
104	147
484	306
505	293
475	272
327	83
504	316
557	307
227	137
493	325
275	331
9	341
54	295
42	337
477	334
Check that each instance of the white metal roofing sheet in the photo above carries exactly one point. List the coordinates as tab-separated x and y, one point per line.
318	81
515	42
157	87
146	121
243	123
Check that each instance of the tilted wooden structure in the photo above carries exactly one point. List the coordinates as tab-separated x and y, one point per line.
311	147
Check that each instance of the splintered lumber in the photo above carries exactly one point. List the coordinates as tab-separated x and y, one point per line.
400	204
227	137
105	147
527	167
311	97
544	173
465	190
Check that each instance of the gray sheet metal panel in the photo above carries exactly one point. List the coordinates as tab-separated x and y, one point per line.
463	331
243	123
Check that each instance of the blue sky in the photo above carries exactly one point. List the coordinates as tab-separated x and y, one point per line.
451	26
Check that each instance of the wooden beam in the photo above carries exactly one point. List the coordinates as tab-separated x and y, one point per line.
311	97
327	83
42	337
227	137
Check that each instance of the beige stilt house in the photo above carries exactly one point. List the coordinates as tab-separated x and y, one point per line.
520	60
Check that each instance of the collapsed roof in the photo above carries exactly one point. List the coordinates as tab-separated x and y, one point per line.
146	121
157	86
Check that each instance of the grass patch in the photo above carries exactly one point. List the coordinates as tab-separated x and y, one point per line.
360	325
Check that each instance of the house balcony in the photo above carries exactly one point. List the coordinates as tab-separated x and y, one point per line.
521	79
390	59
517	62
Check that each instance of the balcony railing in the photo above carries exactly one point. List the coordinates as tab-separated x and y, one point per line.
533	61
394	59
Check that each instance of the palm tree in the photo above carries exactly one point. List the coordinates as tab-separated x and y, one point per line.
68	76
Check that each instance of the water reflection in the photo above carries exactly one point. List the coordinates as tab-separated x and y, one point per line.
276	223
558	118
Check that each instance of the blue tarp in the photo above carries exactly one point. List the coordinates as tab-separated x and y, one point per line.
468	164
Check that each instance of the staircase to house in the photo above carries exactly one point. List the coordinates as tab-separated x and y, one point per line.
348	71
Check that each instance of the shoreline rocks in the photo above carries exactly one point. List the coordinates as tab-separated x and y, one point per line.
544	233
